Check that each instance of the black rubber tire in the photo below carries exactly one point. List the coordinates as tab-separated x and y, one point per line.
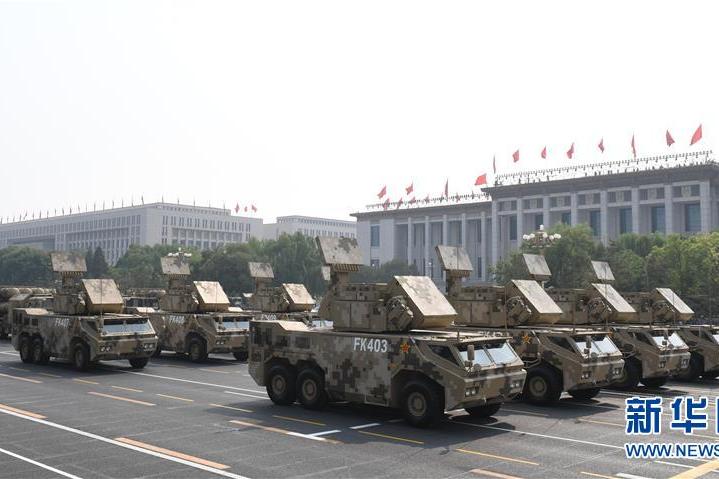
81	357
138	363
631	374
543	386
422	403
157	353
584	394
654	382
197	350
241	355
38	352
281	384
484	411
311	392
25	350
695	369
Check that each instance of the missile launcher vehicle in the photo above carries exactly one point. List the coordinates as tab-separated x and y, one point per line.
195	317
652	352
389	345
662	306
557	358
85	324
20	297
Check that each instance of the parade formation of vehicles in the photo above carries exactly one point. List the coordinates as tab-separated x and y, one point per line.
401	344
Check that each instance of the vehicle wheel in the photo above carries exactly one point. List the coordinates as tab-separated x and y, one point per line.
710	375
311	389
543	386
38	352
584	394
281	383
695	369
484	411
81	357
139	363
240	356
654	382
198	350
157	353
631	374
25	350
422	403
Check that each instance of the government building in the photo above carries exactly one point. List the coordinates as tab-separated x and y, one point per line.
310	226
114	230
663	194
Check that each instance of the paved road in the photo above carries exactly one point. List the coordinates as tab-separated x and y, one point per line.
177	419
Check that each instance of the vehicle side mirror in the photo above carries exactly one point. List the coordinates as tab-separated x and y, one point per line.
470	353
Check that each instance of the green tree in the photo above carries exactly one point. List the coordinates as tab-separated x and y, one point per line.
21	265
384	273
139	267
97	267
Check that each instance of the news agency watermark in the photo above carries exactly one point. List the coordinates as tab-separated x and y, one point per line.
688	415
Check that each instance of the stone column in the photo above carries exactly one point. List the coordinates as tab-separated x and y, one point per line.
574	212
463	235
603	218
427	232
410	241
635	210
705	206
668	209
494	246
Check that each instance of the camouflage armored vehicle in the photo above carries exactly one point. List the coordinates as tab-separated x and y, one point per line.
557	358
389	346
652	353
20	297
195	317
85	324
663	307
142	298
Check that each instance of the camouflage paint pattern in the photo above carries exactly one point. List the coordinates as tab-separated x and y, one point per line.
657	360
370	368
60	333
222	332
702	339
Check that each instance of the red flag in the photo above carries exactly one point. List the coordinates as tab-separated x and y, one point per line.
385	205
494	164
399	203
382	192
481	180
515	156
570	151
254	209
634	149
670	140
544	152
601	145
446	188
696	136
410	188
237	208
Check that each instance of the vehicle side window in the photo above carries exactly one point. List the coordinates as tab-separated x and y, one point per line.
561	342
443	352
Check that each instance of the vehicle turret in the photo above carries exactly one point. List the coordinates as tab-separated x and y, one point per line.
286	298
403	304
185	296
519	302
75	295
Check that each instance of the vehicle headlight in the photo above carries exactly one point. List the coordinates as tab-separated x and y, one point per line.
662	364
149	346
471	391
685	363
516	384
617	371
586	374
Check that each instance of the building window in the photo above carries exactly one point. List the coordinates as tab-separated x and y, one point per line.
625	221
567	218
538	221
512	228
692	218
374	236
595	222
657	217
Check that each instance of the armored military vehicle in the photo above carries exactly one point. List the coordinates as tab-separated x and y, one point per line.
557	358
389	346
195	317
20	297
85	324
652	353
663	307
142	298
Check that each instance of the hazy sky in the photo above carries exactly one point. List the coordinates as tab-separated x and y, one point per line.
310	107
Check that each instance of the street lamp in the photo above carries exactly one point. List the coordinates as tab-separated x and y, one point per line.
540	239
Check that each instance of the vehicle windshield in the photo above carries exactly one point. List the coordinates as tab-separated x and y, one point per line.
134	326
673	339
234	323
486	355
321	323
716	337
599	344
677	341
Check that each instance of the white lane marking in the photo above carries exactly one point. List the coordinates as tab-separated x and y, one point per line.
247	395
39	464
324	433
362	426
10	353
306	436
675	464
126	446
558	438
631	476
256	391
